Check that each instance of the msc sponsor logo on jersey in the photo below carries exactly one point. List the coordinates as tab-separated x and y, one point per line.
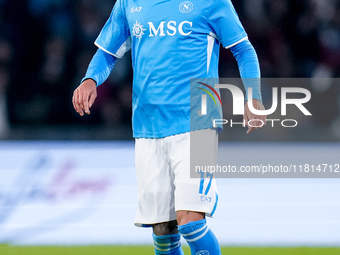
170	28
186	7
138	30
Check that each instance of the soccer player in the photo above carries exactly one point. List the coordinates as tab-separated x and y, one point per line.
171	42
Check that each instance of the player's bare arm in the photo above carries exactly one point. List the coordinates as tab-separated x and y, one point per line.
84	96
248	115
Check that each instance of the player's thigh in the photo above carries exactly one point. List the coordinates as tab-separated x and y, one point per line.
195	190
155	184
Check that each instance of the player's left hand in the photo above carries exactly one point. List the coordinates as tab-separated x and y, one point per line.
248	115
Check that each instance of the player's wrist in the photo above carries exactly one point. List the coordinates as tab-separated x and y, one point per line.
89	81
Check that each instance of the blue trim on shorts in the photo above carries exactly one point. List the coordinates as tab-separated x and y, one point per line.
214	209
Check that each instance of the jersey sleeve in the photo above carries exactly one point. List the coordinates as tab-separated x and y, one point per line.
225	23
114	37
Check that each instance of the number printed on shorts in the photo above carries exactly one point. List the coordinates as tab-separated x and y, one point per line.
205	176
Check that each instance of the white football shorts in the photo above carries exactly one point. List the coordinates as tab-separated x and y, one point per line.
165	184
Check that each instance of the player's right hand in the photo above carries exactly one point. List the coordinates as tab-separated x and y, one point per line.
248	115
84	96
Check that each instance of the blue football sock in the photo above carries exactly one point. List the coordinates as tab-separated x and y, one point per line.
200	238
168	244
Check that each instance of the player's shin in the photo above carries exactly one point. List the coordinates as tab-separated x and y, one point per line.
168	244
200	238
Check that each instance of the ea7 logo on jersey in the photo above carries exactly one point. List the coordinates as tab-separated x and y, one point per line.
136	9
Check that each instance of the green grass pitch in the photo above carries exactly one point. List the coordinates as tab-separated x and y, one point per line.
148	250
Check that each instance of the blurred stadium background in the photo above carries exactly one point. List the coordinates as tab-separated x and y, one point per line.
67	180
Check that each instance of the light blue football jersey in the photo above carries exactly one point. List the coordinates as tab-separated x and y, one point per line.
171	41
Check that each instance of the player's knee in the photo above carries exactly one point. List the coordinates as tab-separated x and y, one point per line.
165	228
184	217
